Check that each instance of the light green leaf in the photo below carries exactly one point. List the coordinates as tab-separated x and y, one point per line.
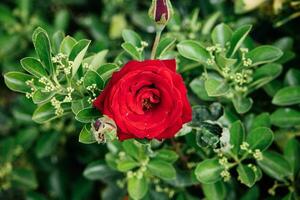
46	112
106	70
16	81
287	96
166	155
161	169
242	104
67	45
87	115
208	171
86	136
262	120
77	54
216	86
127	165
221	34
34	67
264	54
132	37
98	171
193	50
131	50
198	87
40	97
137	187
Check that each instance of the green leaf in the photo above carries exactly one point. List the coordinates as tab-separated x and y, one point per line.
237	136
193	50
91	77
57	39
251	194
198	87
275	165
166	155
79	105
126	165
131	50
137	187
98	171
208	171
287	96
285	117
40	97
163	46
291	153
132	37
242	104
216	86
26	137
161	169
87	115
24	178
16	81
46	112
292	77
43	48
7	147
97	60
77	54
214	191
46	144
265	74
131	148
246	175
260	138
262	120
221	34
106	70
264	54
67	45
238	38
86	136
34	67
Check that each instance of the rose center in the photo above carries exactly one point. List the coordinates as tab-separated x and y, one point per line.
150	103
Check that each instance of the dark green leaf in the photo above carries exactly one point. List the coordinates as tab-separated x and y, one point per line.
87	115
77	54
98	171
275	165
46	112
237	136
132	50
106	70
221	34
260	138
246	175
91	77
163	46
24	178
46	144
285	117
16	81
238	38
291	153
40	97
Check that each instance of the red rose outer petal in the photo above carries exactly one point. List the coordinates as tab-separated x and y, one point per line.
146	99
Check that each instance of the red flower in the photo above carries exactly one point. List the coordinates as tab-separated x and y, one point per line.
146	100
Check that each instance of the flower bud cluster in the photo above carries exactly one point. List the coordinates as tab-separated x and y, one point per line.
62	63
30	83
257	154
57	105
225	174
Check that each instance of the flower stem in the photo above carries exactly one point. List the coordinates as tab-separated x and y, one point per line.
156	42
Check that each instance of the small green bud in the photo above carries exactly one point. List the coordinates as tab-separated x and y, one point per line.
161	11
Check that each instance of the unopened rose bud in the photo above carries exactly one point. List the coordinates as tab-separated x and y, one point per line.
161	11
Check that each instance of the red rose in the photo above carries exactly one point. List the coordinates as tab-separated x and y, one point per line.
146	100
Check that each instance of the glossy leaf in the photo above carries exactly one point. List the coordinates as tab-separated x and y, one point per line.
291	153
164	45
216	86
16	81
91	77
77	54
287	96
193	50
34	67
161	169
87	115
214	191
131	50
86	136
238	38
137	187
264	54
208	171
285	117
221	34
260	138
237	136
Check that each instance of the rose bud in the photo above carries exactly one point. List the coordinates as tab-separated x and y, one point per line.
161	11
146	100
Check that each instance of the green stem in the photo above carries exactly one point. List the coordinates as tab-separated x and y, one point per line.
156	42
